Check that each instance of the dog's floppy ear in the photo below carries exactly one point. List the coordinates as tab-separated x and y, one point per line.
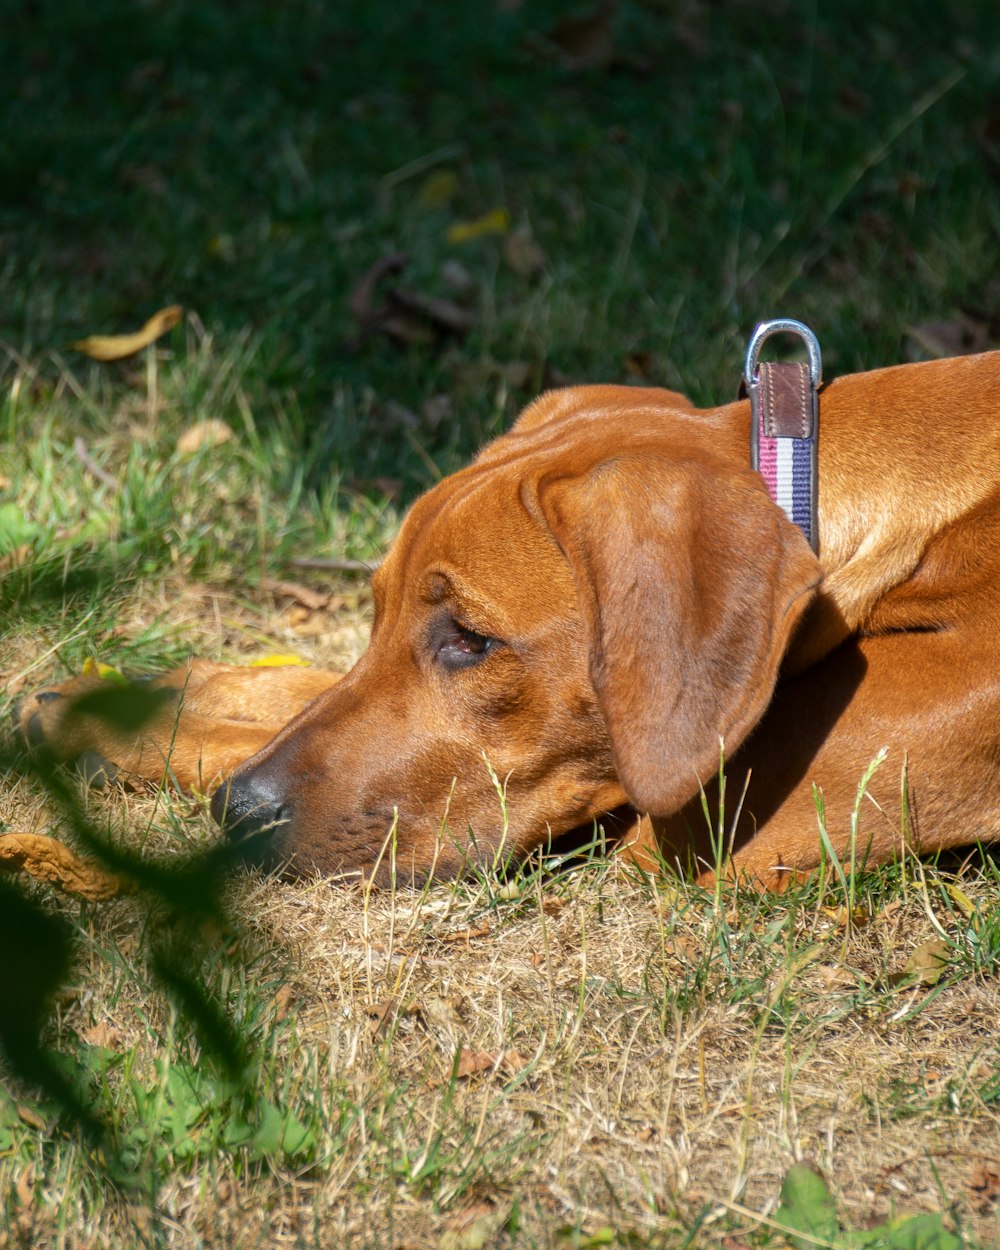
690	581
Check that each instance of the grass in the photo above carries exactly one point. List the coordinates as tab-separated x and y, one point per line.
574	1056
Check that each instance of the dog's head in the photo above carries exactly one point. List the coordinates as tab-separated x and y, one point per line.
567	626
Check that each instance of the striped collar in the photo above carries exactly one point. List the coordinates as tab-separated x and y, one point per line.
784	424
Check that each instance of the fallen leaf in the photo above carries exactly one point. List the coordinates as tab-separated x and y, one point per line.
586	42
834	976
522	253
438	189
641	364
210	433
49	860
507	1063
309	598
961	336
106	672
959	897
14	559
925	965
278	661
841	917
28	1115
107	347
24	1186
408	317
496	221
380	1012
442	314
362	301
101	1034
466	935
282	998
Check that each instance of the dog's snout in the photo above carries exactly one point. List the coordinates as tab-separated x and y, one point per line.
250	807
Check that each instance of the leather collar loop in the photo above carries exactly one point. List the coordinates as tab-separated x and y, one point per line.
784	424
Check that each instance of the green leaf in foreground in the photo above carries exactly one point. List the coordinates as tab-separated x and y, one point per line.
807	1206
807	1210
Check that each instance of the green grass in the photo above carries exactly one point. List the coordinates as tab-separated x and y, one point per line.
677	1051
837	163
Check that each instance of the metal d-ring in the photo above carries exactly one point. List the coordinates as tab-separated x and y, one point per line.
783	325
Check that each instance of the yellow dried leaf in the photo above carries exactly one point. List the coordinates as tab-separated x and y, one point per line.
439	188
49	860
94	668
497	221
278	661
108	347
210	433
965	904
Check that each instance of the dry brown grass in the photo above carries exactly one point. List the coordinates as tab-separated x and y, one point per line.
648	1060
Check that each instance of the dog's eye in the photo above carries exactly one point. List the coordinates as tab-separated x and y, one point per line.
459	647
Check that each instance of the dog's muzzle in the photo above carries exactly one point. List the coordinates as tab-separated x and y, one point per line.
251	810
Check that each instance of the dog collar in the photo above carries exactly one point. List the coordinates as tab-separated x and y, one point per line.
784	424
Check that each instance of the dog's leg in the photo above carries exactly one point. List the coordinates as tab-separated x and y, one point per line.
190	727
931	699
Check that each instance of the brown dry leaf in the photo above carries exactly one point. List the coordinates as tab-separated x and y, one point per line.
407	317
28	1115
507	1062
522	253
586	42
107	347
380	1012
443	315
14	559
24	1186
210	433
49	860
101	1034
640	364
984	1185
835	976
466	935
840	916
282	999
314	600
925	965
961	336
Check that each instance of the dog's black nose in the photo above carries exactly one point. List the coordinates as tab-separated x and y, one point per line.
250	807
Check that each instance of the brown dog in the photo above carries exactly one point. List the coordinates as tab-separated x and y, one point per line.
578	619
